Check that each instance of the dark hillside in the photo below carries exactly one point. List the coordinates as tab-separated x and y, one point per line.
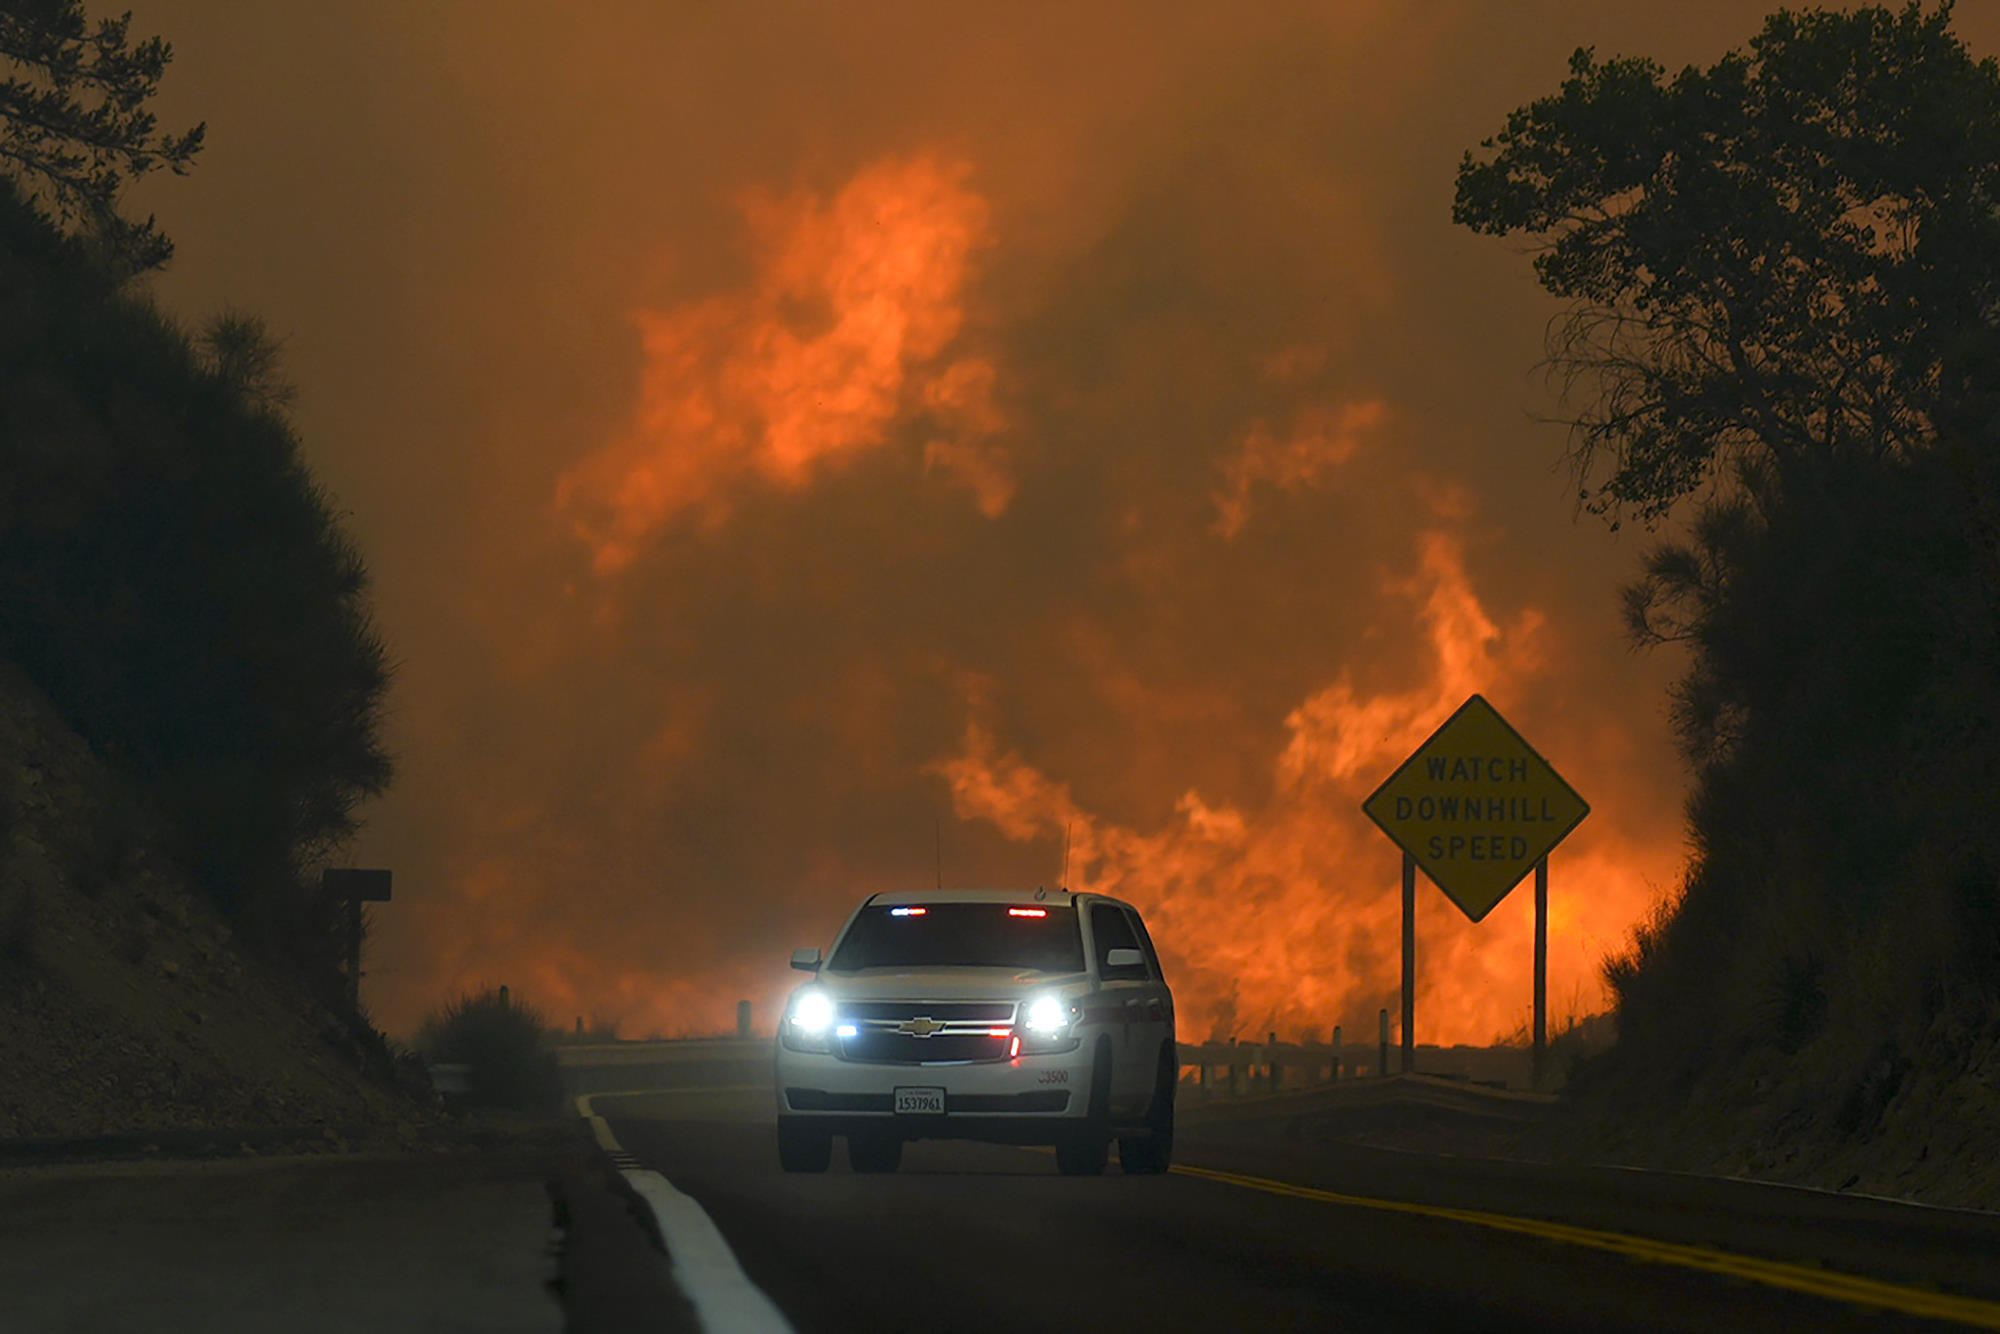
1826	998
175	580
125	1003
189	684
1782	288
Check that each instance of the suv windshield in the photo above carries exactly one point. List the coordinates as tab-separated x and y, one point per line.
962	935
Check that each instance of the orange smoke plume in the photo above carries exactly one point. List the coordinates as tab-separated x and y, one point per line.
568	980
1288	917
842	333
1321	439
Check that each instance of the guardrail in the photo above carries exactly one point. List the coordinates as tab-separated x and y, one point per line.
1398	1102
1232	1068
667	1051
621	1067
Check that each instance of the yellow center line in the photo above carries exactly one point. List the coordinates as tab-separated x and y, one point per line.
1772	1273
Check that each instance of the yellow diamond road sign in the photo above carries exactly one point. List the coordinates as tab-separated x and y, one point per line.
1476	807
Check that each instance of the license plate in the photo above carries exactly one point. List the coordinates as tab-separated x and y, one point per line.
919	1102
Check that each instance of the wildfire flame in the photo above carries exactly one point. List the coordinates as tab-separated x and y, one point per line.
849	339
1284	917
846	327
1288	918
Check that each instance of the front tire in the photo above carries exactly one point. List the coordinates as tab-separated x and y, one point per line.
801	1147
1085	1151
874	1153
1152	1153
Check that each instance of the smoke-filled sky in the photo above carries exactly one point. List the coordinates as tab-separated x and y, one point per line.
793	440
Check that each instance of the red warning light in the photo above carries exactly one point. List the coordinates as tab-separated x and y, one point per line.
1027	912
908	912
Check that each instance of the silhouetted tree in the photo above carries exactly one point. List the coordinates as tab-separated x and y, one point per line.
74	124
175	579
1782	277
1793	253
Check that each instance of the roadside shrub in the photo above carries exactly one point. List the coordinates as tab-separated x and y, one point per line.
504	1041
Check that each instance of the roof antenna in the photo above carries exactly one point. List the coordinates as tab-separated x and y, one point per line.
1064	886
937	829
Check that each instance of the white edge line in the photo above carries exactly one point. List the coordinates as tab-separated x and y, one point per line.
724	1298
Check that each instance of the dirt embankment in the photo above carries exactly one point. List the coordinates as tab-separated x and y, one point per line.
1922	1124
125	1005
1923	1127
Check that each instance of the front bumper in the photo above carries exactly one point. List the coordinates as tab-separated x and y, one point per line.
1029	1099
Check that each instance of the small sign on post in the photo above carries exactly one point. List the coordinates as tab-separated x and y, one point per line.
1477	808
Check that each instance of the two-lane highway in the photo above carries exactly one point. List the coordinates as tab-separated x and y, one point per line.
1273	1236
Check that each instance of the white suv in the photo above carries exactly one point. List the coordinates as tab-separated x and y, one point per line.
1021	1017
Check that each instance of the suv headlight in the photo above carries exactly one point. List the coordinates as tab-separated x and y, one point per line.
1048	1023
808	1022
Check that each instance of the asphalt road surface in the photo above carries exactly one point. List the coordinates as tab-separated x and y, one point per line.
1251	1235
326	1245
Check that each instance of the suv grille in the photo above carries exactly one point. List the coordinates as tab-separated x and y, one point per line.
991	1012
926	1032
882	1047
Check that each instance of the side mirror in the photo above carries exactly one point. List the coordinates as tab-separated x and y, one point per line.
1124	957
807	961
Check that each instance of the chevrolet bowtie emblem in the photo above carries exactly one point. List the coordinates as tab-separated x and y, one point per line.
919	1028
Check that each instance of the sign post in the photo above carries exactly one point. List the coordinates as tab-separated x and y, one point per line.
1541	966
1409	965
354	888
1476	807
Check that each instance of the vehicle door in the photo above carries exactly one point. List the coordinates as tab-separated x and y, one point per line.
1157	1023
1122	996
